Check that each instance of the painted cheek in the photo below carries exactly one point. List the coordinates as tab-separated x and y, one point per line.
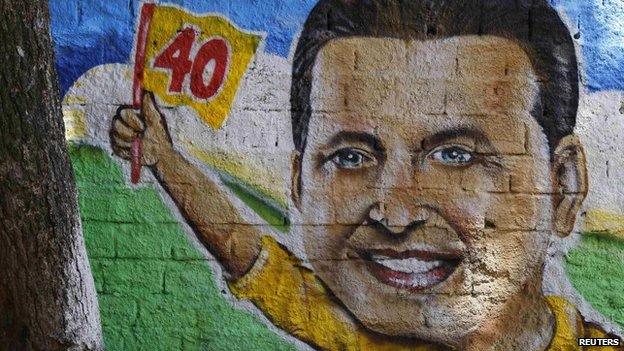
353	194
513	257
475	198
335	196
524	212
323	244
468	216
317	206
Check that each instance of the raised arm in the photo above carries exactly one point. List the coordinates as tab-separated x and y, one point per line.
203	204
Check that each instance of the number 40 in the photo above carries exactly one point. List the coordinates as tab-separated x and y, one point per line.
176	57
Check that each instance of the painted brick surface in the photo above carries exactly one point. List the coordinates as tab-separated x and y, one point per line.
349	175
156	290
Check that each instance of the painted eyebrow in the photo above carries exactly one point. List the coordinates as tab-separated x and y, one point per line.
442	136
361	137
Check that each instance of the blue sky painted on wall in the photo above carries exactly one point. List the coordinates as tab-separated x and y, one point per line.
88	33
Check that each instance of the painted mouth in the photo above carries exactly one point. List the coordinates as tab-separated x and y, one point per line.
413	270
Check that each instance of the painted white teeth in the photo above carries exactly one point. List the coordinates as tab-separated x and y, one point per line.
407	265
414	283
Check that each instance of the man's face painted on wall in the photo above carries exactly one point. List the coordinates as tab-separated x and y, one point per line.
427	157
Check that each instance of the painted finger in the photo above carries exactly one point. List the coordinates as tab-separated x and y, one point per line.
124	131
122	152
149	110
120	142
132	119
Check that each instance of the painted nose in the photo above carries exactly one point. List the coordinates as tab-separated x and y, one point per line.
397	220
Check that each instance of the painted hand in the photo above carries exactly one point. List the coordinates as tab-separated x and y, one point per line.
147	124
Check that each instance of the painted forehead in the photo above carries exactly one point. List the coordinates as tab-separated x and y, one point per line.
483	82
446	57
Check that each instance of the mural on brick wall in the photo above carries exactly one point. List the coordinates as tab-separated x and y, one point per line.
357	175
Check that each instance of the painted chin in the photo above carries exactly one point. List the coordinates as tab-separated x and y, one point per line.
413	270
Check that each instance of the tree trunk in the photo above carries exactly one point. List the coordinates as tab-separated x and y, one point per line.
47	295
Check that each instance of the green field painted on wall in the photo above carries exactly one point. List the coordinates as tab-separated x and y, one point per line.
596	269
157	292
155	289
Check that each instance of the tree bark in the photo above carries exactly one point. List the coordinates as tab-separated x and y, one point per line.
47	295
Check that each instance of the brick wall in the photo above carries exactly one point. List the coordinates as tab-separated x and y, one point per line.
163	279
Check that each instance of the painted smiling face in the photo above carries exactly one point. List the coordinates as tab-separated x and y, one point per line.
425	182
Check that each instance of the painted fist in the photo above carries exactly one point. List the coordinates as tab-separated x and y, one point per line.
147	124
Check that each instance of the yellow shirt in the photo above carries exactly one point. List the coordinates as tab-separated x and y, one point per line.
293	298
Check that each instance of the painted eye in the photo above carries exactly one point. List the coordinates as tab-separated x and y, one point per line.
349	158
453	156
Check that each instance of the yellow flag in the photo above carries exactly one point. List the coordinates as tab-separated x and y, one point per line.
190	60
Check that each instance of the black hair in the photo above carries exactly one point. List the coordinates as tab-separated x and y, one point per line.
533	24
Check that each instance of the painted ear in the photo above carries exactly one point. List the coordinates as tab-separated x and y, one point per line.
295	179
570	179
